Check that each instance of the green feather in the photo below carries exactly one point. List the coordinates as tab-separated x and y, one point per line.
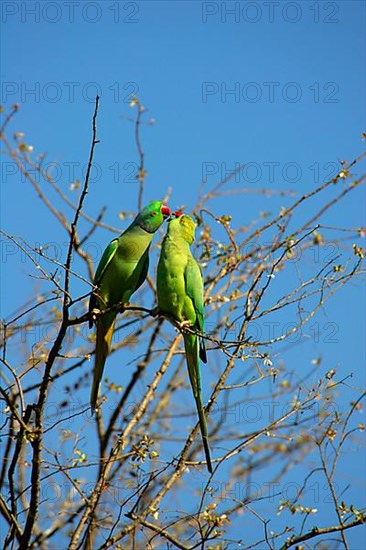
180	295
121	271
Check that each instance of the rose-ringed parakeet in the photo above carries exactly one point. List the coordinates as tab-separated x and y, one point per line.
121	271
180	295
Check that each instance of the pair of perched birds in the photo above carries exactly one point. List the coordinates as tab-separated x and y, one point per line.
123	269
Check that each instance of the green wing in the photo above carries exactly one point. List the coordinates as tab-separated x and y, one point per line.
107	257
194	289
144	262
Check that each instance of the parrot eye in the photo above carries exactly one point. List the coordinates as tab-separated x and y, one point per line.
153	214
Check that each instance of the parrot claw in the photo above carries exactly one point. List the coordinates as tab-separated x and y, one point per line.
94	313
155	312
122	306
184	324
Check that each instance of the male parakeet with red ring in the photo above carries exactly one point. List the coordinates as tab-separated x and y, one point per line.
121	271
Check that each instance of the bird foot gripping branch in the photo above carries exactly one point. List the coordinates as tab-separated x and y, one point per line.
122	306
155	312
118	308
182	325
93	314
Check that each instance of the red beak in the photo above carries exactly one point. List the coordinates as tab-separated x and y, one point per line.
165	210
178	213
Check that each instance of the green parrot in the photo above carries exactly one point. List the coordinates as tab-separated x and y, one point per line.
180	295
121	271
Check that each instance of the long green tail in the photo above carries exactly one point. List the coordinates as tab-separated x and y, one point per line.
105	328
192	356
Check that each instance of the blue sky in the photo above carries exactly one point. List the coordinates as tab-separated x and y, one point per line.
276	86
182	62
